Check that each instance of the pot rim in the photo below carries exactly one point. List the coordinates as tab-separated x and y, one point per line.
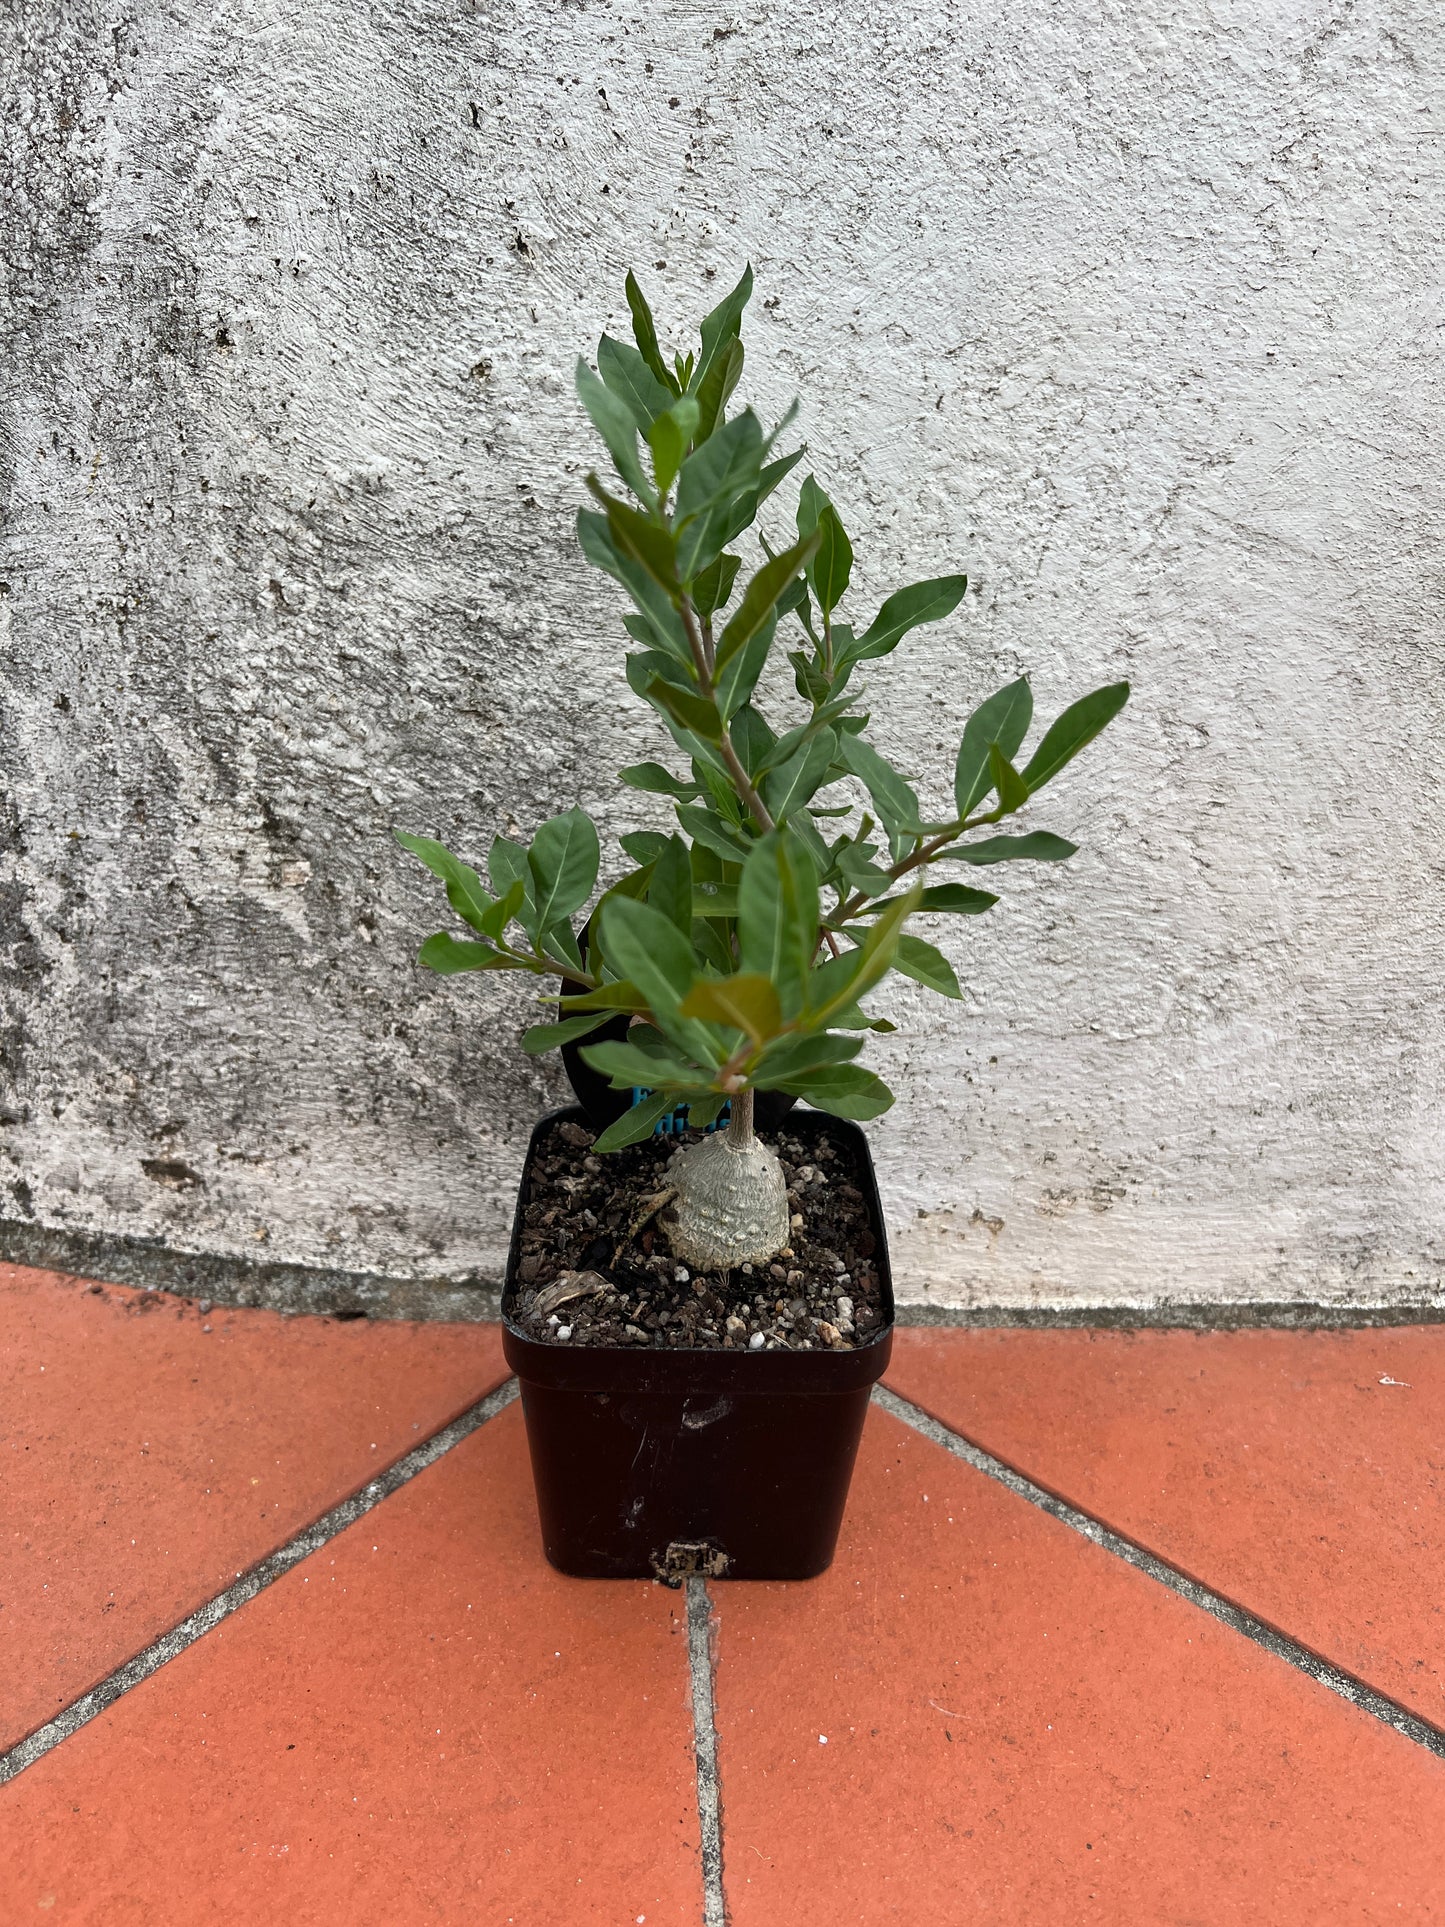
687	1368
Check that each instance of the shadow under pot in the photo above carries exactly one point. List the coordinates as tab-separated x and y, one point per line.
652	1461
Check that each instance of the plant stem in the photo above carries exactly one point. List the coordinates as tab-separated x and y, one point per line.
701	661
740	1123
924	854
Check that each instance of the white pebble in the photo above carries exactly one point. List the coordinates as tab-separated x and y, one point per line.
756	1342
564	1331
680	1273
747	1271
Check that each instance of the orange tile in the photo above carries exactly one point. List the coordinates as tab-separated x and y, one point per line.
148	1454
422	1722
978	1717
1280	1468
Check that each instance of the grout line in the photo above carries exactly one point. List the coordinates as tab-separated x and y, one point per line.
1345	1685
704	1735
256	1579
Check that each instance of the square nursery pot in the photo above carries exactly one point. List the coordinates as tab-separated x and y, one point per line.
655	1464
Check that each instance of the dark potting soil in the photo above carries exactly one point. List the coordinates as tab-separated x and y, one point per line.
585	1277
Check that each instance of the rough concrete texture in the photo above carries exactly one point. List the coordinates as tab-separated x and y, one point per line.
1133	313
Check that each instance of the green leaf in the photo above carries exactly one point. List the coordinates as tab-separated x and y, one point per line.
654	778
627	1064
500	914
560	944
924	602
857	868
444	954
464	887
1013	791
711	943
625	372
811	503
843	1090
544	1037
739	678
640	540
791	784
1003	719
644	846
1040	846
610	997
720	468
761	593
594	538
714	584
714	900
1079	724
842	981
720	327
710	480
716	387
954	897
671	888
507	864
893	798
636	1124
747	1001
563	860
926	965
614	421
778	915
688	709
703	827
787	1056
644	333
753	739
774	472
703	1112
668	438
832	566
957	898
653	953
744	509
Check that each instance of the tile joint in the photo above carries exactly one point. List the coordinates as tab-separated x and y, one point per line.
704	1734
254	1580
1346	1685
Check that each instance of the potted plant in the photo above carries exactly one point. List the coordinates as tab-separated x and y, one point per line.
697	1297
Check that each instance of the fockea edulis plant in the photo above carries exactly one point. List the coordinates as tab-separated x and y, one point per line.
744	942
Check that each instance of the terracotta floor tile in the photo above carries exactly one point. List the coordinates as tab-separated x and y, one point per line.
1302	1474
420	1723
979	1719
148	1453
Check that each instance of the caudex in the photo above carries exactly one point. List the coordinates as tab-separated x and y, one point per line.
744	942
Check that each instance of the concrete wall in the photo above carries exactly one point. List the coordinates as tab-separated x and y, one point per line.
1131	311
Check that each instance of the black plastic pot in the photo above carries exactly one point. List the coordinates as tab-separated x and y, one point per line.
654	1464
